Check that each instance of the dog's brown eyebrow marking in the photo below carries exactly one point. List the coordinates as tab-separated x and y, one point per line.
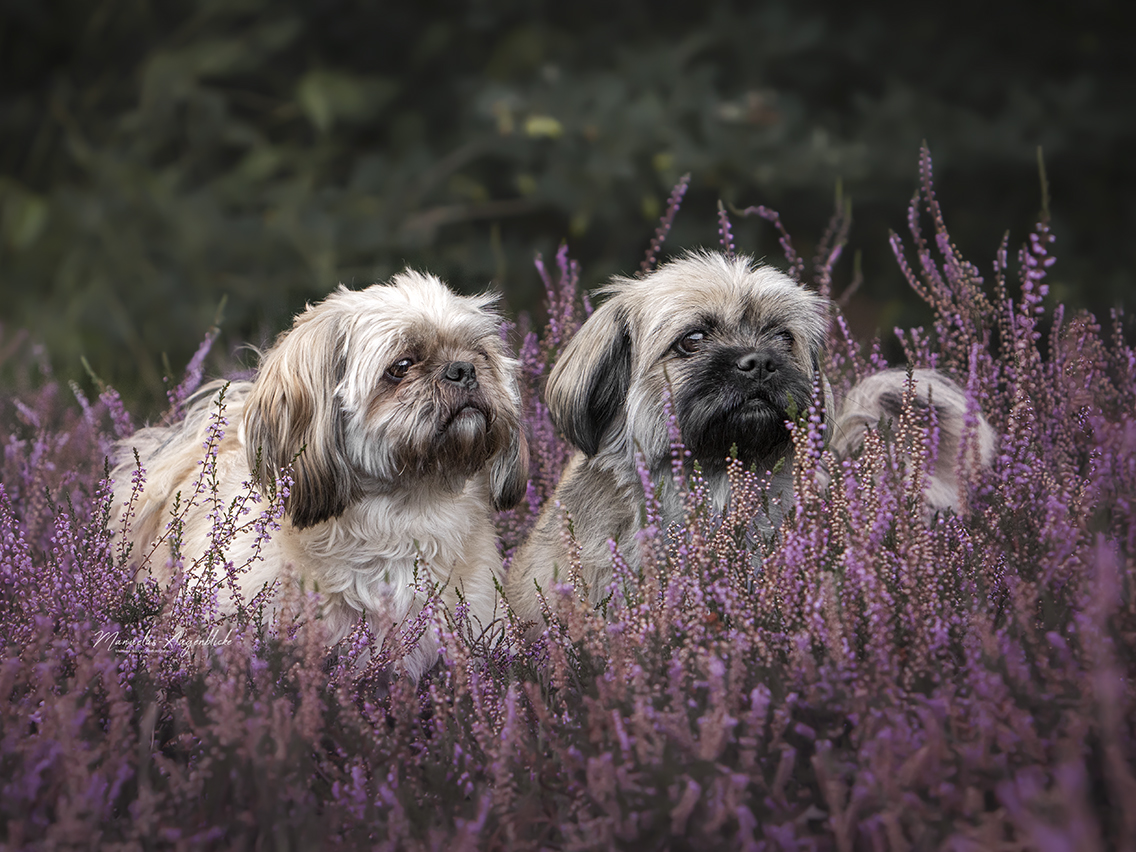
774	327
409	349
704	322
775	310
421	345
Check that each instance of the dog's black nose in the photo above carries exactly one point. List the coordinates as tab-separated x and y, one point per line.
758	365
461	373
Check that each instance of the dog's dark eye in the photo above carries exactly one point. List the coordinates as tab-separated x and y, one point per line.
691	342
787	337
399	368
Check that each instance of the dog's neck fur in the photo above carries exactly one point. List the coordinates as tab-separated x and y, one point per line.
601	498
370	559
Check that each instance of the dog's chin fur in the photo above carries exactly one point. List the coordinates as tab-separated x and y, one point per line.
718	419
396	412
756	362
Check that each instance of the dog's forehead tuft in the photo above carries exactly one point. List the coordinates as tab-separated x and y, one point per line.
414	306
414	315
729	292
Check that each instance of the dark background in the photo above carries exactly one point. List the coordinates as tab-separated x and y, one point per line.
158	156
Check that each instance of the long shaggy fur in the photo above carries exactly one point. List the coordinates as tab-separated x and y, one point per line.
396	411
962	449
738	346
759	341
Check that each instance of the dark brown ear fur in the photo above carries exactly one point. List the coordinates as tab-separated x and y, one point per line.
509	475
292	420
587	390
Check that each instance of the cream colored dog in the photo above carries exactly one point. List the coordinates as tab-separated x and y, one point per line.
396	411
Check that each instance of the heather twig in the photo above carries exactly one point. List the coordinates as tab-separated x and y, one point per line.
673	203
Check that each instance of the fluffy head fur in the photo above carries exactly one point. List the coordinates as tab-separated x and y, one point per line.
880	398
329	388
739	347
738	344
397	409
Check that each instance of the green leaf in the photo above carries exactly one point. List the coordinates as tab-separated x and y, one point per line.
543	126
24	214
327	97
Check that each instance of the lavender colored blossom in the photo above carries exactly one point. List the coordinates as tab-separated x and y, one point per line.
861	677
725	232
796	264
673	203
194	373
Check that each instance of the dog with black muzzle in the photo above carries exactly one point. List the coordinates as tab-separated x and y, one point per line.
738	346
396	413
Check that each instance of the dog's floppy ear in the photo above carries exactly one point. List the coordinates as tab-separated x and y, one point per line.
509	474
587	391
293	419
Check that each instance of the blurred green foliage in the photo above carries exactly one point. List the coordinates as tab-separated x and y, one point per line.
159	155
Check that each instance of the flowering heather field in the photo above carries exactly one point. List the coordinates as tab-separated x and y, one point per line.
867	679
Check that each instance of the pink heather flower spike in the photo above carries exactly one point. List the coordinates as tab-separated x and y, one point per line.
796	264
725	234
853	677
673	203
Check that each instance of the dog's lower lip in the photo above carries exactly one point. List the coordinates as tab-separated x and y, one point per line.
756	402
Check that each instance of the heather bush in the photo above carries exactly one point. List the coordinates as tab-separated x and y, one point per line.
865	678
